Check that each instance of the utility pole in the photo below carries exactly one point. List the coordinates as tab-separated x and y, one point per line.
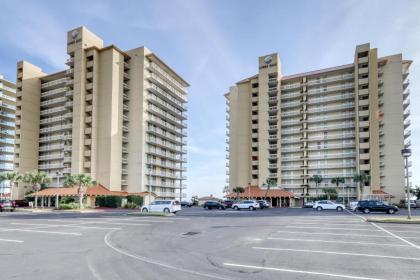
406	153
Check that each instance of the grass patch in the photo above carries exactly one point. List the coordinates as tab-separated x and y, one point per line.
402	220
155	214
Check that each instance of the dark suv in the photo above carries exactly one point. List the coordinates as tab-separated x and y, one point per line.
367	206
228	203
6	205
213	205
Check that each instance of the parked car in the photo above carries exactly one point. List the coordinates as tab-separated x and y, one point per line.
263	204
413	204
213	205
6	204
367	206
21	203
246	204
166	206
228	203
328	205
186	204
308	204
353	205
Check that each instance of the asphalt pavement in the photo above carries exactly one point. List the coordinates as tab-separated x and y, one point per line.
207	244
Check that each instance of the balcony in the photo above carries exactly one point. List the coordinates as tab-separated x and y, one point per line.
291	113
331	108
331	89
407	134
330	79
272	156
291	104
54	101
291	95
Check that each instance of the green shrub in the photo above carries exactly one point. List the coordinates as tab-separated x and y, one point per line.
67	199
131	205
68	206
135	199
108	201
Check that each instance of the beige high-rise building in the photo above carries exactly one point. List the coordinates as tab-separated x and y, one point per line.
119	116
338	121
7	124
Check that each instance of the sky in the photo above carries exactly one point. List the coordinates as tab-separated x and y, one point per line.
213	44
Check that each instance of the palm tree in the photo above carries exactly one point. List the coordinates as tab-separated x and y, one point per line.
269	183
337	181
82	181
361	180
329	192
317	179
12	178
238	190
226	190
36	179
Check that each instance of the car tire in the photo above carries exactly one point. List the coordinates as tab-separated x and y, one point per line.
145	210
339	209
235	208
366	210
251	208
319	208
391	211
166	210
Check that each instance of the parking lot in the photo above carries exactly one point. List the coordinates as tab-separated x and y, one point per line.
199	244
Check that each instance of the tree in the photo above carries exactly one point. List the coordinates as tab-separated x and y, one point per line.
337	181
317	179
238	190
82	181
226	190
36	179
330	192
416	191
270	182
11	178
361	180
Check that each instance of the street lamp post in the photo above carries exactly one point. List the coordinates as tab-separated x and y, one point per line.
249	191
406	153
58	185
149	168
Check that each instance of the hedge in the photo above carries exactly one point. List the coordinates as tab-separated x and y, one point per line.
108	201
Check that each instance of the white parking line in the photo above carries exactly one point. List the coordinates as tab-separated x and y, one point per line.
338	234
80	225
390	233
41	231
339	242
126	219
113	223
335	253
11	240
301	271
333	228
159	263
334	224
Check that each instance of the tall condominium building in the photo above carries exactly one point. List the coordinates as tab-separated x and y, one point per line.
7	124
338	121
119	116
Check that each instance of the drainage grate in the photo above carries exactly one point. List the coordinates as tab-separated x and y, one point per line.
191	233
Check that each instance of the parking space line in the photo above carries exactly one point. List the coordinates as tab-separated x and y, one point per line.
301	271
41	231
127	219
79	225
335	224
339	242
390	233
333	228
114	223
335	253
11	240
338	234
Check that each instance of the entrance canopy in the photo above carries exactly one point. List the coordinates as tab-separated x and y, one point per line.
256	192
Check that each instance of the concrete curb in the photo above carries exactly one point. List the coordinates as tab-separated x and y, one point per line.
146	214
413	222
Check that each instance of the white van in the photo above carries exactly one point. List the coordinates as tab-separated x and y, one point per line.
166	206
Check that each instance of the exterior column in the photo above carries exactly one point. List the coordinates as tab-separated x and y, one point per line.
42	202
56	202
49	201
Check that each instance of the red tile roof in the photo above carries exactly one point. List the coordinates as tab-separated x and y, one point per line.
256	191
381	193
97	190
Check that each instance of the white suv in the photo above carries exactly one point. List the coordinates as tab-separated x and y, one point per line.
328	205
166	206
246	204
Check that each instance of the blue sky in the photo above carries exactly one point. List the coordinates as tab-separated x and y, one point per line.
216	43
